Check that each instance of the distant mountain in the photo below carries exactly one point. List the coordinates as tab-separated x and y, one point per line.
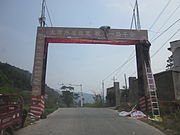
88	98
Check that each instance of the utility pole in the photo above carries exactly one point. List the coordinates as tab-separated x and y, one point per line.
138	17
81	96
125	81
114	79
42	19
125	86
103	91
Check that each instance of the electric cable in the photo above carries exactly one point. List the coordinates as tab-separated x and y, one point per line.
48	14
127	61
165	43
166	30
137	26
161	27
158	17
132	60
154	54
165	22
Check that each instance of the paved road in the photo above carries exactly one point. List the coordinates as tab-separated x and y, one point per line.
88	121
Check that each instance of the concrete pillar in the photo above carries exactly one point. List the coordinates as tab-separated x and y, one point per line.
133	91
143	62
117	93
37	75
142	84
131	82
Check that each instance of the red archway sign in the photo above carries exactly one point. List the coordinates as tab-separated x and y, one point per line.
47	35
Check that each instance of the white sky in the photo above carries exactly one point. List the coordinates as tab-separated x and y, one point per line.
86	64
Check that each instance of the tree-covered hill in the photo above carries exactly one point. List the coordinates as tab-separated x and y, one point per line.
14	80
13	77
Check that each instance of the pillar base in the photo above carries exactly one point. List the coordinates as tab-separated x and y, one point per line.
37	106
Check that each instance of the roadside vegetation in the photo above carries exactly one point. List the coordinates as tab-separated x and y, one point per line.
170	113
68	98
98	102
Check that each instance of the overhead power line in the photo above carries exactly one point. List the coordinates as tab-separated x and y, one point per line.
158	17
166	30
165	43
136	20
122	72
160	28
48	13
133	73
166	21
155	53
126	62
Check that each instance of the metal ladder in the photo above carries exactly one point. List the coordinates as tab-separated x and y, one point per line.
152	93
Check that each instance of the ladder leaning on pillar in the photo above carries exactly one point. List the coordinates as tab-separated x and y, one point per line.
152	94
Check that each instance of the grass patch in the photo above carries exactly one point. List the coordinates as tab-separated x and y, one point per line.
170	124
50	110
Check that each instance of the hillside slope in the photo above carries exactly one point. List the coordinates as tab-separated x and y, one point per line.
14	80
13	77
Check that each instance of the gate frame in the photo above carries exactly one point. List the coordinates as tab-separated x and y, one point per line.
104	35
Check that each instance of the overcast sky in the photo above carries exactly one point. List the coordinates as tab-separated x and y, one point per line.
84	64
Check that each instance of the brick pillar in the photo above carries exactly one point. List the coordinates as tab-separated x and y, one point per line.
38	75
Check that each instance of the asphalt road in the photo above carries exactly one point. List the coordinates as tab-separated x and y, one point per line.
88	121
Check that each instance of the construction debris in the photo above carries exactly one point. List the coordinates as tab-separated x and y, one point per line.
133	113
124	113
138	115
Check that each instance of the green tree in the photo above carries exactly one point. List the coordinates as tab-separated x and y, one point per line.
170	63
98	99
68	97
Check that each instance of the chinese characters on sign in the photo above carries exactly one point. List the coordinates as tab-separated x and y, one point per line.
92	33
